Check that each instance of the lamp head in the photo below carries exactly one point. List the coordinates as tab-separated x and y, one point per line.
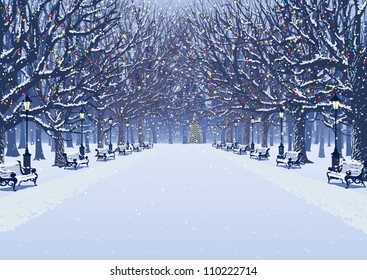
27	103
252	119
110	121
127	124
281	113
335	101
82	113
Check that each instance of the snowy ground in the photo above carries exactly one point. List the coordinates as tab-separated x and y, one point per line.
184	202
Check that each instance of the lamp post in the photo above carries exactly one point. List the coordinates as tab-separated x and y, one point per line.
81	116
110	121
252	146
127	133
26	156
335	156
281	146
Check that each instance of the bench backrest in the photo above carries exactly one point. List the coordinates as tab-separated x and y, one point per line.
71	157
262	150
8	168
355	167
292	155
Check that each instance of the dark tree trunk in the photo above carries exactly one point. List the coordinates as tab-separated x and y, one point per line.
22	136
246	131
329	137
271	136
184	134
317	132
121	135
52	144
100	130
265	132
31	133
299	133
170	141
11	149
348	150
2	143
309	131
38	151
69	139
59	149
154	134
132	136
94	138
322	140
141	130
229	134
290	135
223	135
258	132
87	146
204	127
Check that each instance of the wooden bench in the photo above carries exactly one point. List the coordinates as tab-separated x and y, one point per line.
136	147
260	153
241	149
13	173
146	145
124	149
75	160
290	159
105	154
218	145
349	171
227	147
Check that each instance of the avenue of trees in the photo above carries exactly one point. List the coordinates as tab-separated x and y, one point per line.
222	61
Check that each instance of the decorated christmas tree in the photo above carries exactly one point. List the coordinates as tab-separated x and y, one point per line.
195	135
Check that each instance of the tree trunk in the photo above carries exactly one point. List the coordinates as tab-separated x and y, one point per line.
69	138
141	130
87	142
31	132
38	151
184	134
131	131
322	140
170	141
229	134
100	130
223	135
246	131
299	133
317	132
348	150
154	134
309	131
329	137
59	149
22	136
290	135
271	135
121	135
2	143
264	133
11	149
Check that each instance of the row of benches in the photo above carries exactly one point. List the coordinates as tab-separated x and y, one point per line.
76	160
349	171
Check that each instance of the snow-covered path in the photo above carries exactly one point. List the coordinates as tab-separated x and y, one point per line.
184	202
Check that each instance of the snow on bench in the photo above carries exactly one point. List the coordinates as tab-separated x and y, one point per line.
146	145
290	159
136	147
349	171
105	154
241	149
75	160
124	149
260	153
227	146
13	173
218	145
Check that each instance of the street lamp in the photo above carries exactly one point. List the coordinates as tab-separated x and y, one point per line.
335	156
26	156
252	146
281	146
81	116
127	133
110	121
